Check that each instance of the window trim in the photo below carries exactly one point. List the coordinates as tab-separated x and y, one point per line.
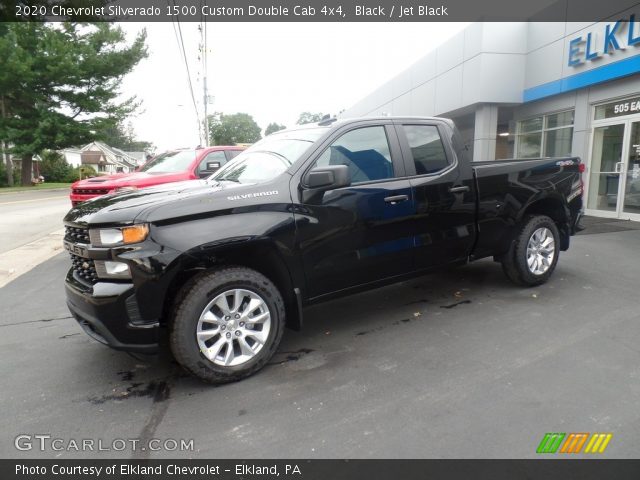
394	152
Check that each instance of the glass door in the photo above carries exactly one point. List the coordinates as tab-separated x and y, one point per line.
606	168
631	200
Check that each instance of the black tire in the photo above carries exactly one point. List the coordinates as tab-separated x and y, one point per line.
514	262
191	303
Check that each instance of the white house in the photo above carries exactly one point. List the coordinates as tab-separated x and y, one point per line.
102	158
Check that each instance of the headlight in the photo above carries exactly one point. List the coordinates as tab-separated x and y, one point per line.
106	237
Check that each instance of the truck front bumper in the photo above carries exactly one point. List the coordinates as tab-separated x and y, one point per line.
108	312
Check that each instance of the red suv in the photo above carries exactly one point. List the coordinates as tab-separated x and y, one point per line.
174	166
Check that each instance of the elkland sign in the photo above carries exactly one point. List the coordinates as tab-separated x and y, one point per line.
610	38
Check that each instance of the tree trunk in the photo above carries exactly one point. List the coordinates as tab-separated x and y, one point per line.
8	164
5	147
27	169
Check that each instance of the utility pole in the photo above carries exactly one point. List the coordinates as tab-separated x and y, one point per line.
204	83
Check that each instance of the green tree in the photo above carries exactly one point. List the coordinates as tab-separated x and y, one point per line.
272	128
233	129
124	137
59	84
54	168
308	117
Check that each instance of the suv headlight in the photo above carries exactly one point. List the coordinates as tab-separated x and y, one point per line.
108	237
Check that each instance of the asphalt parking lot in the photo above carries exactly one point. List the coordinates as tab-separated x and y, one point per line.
461	364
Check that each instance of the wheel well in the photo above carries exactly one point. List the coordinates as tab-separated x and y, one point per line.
259	257
554	209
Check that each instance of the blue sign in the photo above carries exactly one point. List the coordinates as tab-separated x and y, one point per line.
615	36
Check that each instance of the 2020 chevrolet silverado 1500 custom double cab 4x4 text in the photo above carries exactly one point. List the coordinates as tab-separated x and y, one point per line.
302	216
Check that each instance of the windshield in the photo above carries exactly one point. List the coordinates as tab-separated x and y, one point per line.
170	162
269	157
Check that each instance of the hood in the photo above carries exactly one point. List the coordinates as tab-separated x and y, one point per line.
134	179
127	207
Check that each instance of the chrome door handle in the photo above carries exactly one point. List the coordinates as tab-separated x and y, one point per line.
396	199
463	188
619	167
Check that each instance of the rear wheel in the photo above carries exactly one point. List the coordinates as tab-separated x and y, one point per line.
534	253
227	324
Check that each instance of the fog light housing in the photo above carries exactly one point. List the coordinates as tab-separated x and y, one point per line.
111	269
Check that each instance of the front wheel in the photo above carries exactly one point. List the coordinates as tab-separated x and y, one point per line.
534	253
227	324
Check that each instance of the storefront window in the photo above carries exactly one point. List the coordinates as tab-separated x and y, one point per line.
531	125
557	143
529	145
563	119
551	134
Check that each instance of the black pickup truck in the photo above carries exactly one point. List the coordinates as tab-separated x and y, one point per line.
302	216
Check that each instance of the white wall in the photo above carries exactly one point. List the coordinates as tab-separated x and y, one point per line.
73	158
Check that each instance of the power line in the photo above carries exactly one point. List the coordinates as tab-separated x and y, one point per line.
203	31
183	52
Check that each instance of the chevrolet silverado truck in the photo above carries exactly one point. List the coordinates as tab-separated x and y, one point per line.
221	265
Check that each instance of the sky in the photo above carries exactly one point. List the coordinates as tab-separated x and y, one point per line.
272	71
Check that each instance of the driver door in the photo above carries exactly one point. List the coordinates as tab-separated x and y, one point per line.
361	233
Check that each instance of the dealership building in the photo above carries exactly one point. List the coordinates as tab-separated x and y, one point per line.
526	90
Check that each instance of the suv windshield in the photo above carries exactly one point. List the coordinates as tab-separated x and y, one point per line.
170	162
269	157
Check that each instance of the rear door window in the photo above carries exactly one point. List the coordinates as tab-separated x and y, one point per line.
426	147
233	153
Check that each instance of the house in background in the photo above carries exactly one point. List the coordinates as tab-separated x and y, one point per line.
105	160
72	156
139	157
35	165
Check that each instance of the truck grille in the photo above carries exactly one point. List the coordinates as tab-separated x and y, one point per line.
76	234
84	268
90	191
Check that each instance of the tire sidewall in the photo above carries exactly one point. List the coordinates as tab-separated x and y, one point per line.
521	251
185	323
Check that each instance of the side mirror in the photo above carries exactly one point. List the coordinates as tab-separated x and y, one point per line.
321	179
211	168
328	178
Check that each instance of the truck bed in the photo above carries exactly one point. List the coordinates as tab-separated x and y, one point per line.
505	188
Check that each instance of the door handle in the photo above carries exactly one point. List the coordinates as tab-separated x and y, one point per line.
619	167
396	199
463	188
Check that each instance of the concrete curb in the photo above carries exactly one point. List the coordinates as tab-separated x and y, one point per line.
20	260
57	189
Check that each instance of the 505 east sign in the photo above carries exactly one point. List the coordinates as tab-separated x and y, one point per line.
610	38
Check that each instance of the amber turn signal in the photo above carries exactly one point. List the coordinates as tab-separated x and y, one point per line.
134	234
